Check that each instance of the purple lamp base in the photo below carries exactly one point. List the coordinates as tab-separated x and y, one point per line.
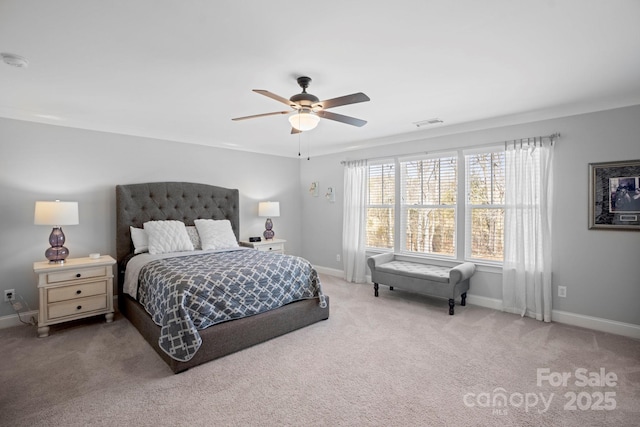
268	232
57	253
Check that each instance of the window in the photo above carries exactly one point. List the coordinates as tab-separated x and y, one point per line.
429	191
485	181
381	205
423	208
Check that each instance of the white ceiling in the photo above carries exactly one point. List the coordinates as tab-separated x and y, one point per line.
180	70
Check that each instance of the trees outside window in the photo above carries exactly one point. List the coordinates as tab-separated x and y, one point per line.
429	191
381	205
485	178
425	211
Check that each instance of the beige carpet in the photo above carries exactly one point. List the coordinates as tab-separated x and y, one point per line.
397	360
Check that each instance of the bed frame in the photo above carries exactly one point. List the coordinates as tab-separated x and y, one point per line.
184	201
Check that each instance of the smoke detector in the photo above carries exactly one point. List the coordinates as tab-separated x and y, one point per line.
14	60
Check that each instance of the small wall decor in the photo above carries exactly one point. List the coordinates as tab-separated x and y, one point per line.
330	195
614	195
314	189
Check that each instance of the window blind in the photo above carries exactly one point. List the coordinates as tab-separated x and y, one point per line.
429	192
485	189
381	182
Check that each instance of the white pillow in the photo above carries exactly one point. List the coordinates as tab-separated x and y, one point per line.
140	240
192	231
167	236
216	234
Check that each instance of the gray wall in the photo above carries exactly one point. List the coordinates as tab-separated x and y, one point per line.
42	162
598	267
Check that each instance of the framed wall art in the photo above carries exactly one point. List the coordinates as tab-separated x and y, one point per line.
614	195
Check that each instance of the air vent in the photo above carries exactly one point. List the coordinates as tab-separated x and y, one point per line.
428	122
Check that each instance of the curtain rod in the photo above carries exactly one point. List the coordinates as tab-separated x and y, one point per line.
552	137
521	141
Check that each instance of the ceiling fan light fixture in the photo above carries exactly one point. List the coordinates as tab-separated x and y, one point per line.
308	109
304	120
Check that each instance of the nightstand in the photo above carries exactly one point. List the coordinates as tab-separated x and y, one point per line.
79	288
273	245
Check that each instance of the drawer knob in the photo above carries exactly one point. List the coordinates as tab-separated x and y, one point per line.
78	275
79	307
78	292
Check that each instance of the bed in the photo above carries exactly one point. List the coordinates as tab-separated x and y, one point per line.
188	202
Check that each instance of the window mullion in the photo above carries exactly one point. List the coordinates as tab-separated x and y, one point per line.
493	175
400	238
460	206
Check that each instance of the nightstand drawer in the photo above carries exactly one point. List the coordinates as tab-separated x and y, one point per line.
81	305
276	247
64	293
76	274
78	288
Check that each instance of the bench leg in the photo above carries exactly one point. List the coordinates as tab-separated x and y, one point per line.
463	298
451	304
375	289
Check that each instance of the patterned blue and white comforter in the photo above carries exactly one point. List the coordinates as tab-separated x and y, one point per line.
185	294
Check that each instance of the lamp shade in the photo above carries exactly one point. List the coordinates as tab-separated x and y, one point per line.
56	213
269	209
303	121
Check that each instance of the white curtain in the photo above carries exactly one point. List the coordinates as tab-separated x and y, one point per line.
526	276
354	221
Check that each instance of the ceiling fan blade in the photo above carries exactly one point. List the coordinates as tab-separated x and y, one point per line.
276	97
294	131
354	98
262	115
340	118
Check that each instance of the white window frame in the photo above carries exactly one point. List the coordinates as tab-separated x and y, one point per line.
393	206
468	207
402	208
462	209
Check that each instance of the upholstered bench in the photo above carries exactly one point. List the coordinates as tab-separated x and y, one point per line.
433	280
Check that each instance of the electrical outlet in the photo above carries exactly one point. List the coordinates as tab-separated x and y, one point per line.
562	291
9	295
338	257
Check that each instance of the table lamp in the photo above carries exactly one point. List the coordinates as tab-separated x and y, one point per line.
269	210
56	214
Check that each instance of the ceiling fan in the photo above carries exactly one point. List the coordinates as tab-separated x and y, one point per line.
308	109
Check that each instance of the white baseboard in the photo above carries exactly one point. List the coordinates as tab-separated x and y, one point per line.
487	302
595	323
13	319
329	271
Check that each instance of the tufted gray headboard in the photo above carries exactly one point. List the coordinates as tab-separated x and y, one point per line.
183	201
